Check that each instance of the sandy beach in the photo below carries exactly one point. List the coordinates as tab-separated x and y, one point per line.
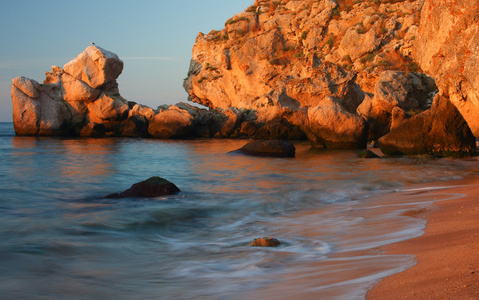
447	254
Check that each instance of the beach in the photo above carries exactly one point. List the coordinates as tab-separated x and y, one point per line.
447	254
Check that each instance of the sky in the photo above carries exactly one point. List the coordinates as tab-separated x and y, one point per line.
154	39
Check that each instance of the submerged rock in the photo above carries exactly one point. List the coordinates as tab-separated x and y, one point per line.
265	242
275	148
367	154
152	187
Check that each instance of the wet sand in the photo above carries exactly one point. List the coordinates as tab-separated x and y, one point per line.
447	254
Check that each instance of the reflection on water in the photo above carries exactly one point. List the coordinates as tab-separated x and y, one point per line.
62	239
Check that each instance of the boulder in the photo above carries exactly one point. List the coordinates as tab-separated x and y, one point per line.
35	113
440	131
95	66
231	122
171	123
331	126
55	118
108	108
142	110
152	187
29	87
77	90
265	242
356	45
136	126
398	117
276	148
26	111
393	90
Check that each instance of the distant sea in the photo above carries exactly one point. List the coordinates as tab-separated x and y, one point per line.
61	239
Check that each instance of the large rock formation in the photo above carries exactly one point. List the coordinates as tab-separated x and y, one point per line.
447	47
395	94
440	131
83	99
337	72
298	60
80	99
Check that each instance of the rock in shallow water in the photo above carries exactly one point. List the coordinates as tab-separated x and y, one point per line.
367	154
152	187
276	148
265	242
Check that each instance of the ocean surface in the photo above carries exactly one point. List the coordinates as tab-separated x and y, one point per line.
61	239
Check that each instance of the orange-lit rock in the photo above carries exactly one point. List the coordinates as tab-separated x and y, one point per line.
440	131
284	57
80	99
95	66
394	89
447	47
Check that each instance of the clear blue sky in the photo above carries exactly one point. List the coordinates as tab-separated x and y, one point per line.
154	38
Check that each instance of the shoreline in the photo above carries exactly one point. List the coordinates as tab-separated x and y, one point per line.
446	254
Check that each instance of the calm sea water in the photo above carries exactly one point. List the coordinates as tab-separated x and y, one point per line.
60	239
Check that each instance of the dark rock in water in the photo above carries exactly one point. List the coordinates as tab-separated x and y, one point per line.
367	154
276	148
265	242
152	187
440	131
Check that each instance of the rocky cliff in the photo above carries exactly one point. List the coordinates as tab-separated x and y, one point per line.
447	47
339	72
314	63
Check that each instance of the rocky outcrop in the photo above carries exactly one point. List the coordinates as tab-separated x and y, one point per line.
447	47
83	99
337	72
152	187
298	60
395	91
80	99
440	131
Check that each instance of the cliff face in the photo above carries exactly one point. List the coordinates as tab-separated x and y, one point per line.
274	50
283	58
447	47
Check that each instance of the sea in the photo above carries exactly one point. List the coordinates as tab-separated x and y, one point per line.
331	211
